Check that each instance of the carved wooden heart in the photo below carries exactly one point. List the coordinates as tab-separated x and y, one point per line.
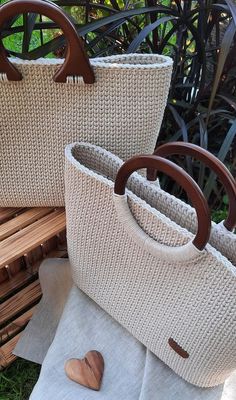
88	371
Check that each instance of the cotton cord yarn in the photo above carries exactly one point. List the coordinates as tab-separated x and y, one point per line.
122	111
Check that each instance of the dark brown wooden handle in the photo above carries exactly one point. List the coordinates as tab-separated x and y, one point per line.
212	162
179	175
76	61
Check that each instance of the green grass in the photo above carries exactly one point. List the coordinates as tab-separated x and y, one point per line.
18	380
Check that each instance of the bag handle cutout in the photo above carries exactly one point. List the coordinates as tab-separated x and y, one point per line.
226	178
152	162
76	62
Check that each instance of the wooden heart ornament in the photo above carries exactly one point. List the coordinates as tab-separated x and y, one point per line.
87	372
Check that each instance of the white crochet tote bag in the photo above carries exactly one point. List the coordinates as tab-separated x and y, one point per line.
223	237
117	102
173	293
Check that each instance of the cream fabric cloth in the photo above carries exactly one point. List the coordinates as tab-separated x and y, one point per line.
131	371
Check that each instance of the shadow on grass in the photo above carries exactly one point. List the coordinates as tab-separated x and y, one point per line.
18	380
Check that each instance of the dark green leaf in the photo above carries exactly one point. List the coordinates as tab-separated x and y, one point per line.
224	50
184	131
29	22
229	99
232	8
145	32
225	147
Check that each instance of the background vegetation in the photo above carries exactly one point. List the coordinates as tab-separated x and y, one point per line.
199	36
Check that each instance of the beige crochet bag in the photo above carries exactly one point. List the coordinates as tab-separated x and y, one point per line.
117	102
223	237
175	295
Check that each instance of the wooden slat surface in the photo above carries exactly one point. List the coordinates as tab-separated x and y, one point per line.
6	356
15	283
32	236
18	303
14	327
26	275
27	236
22	220
7	213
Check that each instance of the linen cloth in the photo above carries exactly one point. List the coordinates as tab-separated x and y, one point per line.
131	371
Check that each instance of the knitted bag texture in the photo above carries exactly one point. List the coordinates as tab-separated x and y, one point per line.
122	111
172	291
172	207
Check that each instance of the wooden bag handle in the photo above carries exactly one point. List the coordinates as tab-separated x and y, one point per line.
212	162
76	61
152	162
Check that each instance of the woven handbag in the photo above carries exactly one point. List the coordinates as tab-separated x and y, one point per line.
223	237
173	292
116	102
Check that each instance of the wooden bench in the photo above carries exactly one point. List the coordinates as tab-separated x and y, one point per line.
27	236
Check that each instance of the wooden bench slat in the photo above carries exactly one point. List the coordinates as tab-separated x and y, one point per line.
21	221
15	326
23	231
15	283
26	275
7	213
6	356
32	236
17	303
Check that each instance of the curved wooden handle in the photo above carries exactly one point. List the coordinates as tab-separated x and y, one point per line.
212	162
179	175
76	61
